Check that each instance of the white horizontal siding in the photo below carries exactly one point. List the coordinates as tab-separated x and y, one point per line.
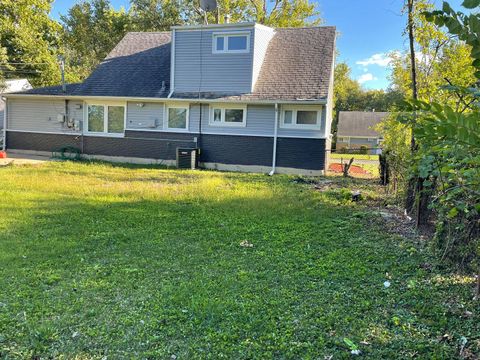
37	115
149	117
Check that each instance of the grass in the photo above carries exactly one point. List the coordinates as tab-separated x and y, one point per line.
346	157
103	261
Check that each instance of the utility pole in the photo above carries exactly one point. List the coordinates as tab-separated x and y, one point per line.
62	69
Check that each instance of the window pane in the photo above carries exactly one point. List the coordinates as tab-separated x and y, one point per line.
177	118
95	118
217	115
234	115
237	42
288	117
220	43
116	116
306	117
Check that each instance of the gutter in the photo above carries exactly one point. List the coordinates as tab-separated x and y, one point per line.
161	100
275	139
172	65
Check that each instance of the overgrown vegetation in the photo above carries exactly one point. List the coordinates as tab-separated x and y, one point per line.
102	260
445	121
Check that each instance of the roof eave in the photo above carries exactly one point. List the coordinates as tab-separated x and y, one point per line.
165	99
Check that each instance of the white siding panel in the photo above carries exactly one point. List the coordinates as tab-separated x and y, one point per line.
36	115
262	37
149	117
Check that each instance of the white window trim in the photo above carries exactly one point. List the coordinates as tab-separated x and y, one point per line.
224	107
226	35
105	105
294	125
166	120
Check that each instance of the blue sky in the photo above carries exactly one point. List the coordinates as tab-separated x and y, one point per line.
369	29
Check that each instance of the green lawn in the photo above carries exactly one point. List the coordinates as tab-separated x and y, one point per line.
109	262
346	157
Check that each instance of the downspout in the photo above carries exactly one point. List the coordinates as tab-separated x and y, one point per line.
275	138
172	65
4	144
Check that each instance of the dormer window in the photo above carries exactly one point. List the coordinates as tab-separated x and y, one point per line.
225	43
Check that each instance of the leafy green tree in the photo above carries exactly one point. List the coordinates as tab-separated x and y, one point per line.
92	28
30	41
439	58
277	13
3	67
350	96
160	15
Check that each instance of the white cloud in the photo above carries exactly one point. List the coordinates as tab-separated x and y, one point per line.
380	59
366	77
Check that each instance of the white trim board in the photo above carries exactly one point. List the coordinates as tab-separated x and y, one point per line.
172	131
161	100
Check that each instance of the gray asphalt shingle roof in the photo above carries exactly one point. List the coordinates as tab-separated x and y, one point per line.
138	67
297	66
359	123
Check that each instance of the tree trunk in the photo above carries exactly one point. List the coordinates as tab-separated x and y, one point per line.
415	184
410	200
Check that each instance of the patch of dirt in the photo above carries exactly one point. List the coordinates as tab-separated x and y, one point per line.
354	169
374	198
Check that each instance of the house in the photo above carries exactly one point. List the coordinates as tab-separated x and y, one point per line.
249	97
357	130
12	85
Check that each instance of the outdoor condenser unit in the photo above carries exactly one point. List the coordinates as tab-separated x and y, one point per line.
187	158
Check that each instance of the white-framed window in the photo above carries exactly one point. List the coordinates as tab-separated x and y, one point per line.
233	42
228	115
106	118
177	117
301	118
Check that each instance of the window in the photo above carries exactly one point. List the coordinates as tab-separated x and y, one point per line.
228	115
106	119
300	118
231	43
177	117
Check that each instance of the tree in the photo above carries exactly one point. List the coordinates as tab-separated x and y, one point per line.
160	15
3	67
92	28
277	13
29	39
350	96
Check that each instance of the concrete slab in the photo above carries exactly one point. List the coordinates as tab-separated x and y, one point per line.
24	159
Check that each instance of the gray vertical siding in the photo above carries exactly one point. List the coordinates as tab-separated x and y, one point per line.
198	69
262	37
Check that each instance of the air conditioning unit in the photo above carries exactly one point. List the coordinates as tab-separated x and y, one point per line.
187	158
